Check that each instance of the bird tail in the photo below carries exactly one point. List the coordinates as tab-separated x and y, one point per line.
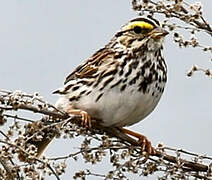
39	139
39	136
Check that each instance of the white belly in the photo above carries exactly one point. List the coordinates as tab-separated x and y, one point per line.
117	108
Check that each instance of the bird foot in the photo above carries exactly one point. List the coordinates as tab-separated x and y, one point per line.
142	141
86	119
146	145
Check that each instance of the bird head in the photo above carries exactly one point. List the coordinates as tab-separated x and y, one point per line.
141	31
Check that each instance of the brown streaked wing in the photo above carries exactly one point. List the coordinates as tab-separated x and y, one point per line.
89	67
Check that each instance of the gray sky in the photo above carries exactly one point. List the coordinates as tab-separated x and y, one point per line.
41	42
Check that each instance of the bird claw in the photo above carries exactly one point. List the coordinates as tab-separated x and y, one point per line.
142	141
86	119
146	145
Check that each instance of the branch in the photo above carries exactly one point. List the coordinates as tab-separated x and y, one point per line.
191	14
17	101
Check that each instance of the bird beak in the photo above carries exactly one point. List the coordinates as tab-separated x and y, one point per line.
158	32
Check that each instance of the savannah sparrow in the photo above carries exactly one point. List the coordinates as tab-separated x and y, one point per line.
121	83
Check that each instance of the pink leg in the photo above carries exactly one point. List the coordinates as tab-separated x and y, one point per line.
86	119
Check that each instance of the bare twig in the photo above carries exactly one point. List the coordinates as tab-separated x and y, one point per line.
125	142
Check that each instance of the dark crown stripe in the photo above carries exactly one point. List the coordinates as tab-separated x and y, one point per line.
150	20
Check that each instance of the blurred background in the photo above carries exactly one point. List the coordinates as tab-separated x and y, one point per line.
41	42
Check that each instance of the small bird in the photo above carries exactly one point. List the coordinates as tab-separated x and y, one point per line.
120	84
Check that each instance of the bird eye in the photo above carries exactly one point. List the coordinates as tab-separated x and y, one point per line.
137	29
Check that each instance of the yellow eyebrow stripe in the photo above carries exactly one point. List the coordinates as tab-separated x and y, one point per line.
142	24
